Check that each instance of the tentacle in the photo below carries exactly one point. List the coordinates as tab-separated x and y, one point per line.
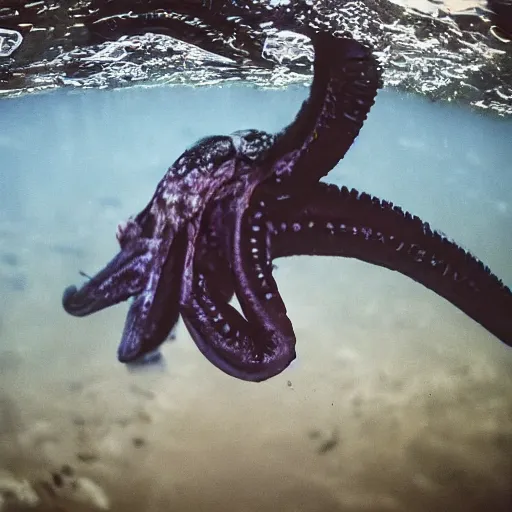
212	251
348	223
126	275
345	83
252	349
255	286
151	319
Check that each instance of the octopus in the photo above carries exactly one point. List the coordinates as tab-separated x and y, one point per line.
231	205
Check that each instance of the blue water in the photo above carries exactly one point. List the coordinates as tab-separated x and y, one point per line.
397	400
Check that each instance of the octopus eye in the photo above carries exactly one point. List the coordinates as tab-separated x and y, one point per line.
252	145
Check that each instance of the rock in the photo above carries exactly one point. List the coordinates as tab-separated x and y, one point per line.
65	487
19	492
89	491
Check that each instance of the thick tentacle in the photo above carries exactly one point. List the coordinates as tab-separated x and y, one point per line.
148	271
345	83
252	349
149	322
348	223
126	275
255	286
212	251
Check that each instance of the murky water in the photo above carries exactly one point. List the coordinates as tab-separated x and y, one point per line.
397	401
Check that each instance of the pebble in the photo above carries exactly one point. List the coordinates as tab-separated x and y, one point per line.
16	492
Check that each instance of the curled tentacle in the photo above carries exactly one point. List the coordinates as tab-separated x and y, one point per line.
262	344
254	348
228	341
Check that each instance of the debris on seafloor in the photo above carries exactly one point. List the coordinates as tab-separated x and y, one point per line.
63	491
69	490
16	492
326	443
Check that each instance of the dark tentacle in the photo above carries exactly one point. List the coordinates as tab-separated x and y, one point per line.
212	251
255	286
144	331
345	83
348	223
124	276
254	348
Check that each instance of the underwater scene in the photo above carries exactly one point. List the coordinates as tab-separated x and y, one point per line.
381	388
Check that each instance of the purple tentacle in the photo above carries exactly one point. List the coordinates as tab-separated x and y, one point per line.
356	225
345	83
126	275
254	348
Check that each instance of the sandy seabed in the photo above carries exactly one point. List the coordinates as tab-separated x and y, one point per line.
396	402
